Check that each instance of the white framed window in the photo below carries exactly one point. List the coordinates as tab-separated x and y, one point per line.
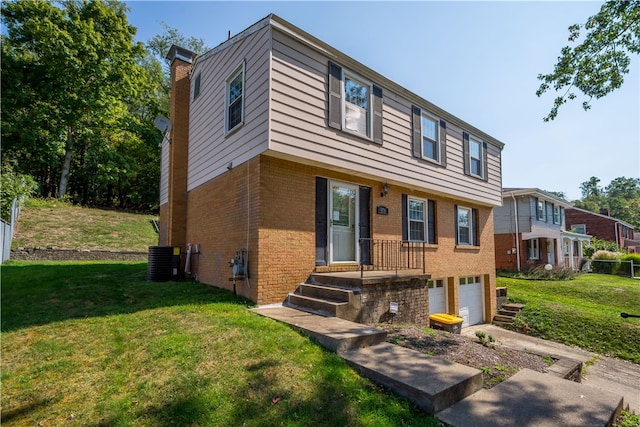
465	227
475	157
540	209
417	217
556	214
579	228
430	138
533	248
234	111
356	105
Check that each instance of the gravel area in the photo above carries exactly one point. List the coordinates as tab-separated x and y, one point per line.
496	363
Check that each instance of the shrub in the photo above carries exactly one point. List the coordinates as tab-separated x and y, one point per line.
625	264
605	262
595	245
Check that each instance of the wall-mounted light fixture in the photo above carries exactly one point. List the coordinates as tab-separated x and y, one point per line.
385	190
230	165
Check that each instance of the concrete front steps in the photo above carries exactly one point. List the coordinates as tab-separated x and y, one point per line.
506	314
325	300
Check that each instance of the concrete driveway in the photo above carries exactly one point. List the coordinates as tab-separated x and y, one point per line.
603	372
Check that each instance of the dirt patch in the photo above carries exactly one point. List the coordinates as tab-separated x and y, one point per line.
495	362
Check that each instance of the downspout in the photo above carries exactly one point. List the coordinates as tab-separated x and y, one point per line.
515	209
615	232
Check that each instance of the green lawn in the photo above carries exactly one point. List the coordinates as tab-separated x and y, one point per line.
95	344
584	312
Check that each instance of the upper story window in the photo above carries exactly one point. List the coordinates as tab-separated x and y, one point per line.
196	86
579	228
541	210
235	99
557	218
429	137
419	220
475	157
357	113
466	226
355	104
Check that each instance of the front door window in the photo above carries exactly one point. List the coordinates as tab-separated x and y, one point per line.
343	206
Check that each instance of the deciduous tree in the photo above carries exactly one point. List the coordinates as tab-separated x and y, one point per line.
597	65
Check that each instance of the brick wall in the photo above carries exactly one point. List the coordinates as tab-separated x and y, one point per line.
222	217
410	294
602	228
278	216
506	258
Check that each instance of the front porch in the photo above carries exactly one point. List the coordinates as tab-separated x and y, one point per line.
369	297
559	248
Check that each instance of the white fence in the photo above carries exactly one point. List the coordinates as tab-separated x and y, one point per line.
7	230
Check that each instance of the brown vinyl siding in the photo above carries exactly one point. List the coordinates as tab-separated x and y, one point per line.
299	129
210	150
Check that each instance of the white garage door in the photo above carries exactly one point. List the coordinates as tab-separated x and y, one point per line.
471	297
437	296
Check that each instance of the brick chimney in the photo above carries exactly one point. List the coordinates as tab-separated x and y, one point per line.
176	212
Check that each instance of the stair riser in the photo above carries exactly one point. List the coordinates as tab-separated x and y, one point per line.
317	305
325	293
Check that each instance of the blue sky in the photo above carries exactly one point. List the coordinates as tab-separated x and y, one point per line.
478	60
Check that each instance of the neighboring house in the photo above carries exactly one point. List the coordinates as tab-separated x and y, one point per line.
603	227
530	230
293	154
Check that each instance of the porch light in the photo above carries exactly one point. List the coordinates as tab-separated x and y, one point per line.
385	190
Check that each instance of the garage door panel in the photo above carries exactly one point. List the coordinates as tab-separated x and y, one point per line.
471	307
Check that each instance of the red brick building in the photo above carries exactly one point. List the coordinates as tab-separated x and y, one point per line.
604	227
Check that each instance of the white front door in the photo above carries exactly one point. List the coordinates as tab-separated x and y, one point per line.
343	233
551	255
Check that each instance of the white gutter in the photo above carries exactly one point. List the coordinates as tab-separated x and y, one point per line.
515	208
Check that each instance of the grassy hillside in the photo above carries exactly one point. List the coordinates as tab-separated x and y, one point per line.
55	224
583	312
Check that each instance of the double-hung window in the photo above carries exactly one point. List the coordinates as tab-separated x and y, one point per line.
556	214
475	157
429	137
541	211
234	113
430	140
355	104
419	220
533	249
466	226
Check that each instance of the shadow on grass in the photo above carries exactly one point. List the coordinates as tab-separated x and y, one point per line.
41	293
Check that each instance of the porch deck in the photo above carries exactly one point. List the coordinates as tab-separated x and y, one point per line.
357	279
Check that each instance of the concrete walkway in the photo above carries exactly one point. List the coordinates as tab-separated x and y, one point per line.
452	391
613	375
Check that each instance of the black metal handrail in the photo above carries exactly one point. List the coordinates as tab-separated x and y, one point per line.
391	255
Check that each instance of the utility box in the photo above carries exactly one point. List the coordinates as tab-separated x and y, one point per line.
446	322
164	263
